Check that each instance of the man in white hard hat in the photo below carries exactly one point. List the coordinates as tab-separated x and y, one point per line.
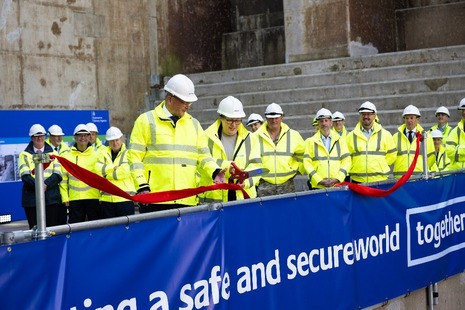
339	124
371	148
229	141
326	157
455	142
442	161
281	151
167	145
93	138
81	199
55	139
405	139
113	165
254	121
442	116
55	212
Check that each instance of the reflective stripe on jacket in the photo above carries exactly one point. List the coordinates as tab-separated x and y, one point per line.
371	157
319	163
167	156
446	132
72	188
246	157
117	172
406	153
442	161
52	178
455	147
284	160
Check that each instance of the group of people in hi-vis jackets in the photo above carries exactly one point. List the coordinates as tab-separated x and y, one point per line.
169	150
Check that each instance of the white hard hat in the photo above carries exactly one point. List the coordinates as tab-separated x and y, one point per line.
92	127
443	110
367	107
273	110
113	133
323	113
55	130
37	130
254	118
338	116
231	107
436	133
462	104
411	110
182	87
81	128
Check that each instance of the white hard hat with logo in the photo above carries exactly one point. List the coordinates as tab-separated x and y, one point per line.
81	128
273	110
338	116
367	107
254	118
55	130
182	87
37	130
443	110
436	133
113	133
462	104
231	107
92	127
323	113
411	110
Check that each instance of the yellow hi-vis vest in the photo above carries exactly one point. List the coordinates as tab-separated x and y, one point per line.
442	161
118	172
72	188
166	156
319	163
455	147
406	153
246	157
284	159
371	157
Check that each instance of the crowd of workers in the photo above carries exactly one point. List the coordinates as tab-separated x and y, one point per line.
169	150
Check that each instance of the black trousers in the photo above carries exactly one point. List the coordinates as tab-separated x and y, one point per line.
114	209
159	207
55	214
84	210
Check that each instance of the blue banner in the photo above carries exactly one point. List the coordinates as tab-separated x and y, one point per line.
14	130
313	250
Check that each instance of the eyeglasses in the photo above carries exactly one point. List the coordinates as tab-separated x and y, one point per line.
233	121
182	101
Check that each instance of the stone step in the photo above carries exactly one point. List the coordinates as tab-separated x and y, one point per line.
357	91
421	56
403	72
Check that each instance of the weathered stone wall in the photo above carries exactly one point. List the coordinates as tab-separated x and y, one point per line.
75	54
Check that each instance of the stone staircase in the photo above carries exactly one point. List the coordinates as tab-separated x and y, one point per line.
426	78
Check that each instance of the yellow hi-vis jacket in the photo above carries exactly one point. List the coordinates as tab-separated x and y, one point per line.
118	172
63	147
246	157
442	161
72	188
342	134
406	153
319	163
371	157
445	132
284	160
455	147
166	156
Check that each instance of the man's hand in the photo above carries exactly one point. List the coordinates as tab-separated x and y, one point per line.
220	178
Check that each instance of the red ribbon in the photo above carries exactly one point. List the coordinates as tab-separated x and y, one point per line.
377	193
100	183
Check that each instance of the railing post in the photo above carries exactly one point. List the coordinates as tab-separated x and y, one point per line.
39	160
424	153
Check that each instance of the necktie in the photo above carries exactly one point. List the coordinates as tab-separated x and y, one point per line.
56	148
410	136
39	151
174	118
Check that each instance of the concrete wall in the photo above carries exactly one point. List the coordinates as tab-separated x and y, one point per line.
75	54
